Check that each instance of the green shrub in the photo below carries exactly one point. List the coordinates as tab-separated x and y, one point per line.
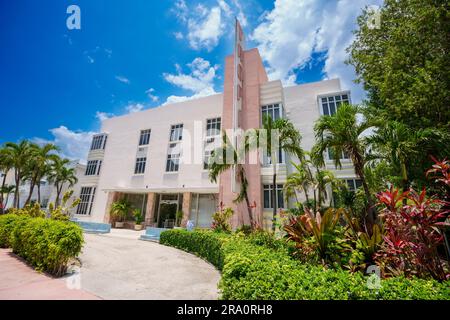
205	244
45	243
259	267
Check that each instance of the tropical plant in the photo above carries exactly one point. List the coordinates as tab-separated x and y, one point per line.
343	133
321	229
38	166
223	159
120	210
288	140
179	217
5	192
408	82
19	157
62	211
61	174
138	218
414	234
5	167
221	219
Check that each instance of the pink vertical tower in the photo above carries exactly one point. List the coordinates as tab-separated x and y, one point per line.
243	83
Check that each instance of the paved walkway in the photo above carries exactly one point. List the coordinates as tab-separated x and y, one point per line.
18	281
119	266
114	266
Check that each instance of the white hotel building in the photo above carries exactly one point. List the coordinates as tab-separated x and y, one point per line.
154	158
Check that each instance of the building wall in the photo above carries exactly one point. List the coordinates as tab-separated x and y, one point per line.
117	172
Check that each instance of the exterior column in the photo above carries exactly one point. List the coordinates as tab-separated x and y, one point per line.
150	209
187	200
112	197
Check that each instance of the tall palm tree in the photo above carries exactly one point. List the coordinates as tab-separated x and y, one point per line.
343	133
220	162
60	174
40	158
20	156
289	140
5	167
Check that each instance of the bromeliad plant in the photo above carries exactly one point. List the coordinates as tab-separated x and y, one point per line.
414	234
221	219
315	233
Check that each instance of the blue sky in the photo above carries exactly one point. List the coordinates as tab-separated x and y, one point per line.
57	84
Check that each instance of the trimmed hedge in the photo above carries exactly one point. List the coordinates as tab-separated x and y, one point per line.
46	244
205	244
257	272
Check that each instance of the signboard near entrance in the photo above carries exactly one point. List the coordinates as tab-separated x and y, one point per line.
238	82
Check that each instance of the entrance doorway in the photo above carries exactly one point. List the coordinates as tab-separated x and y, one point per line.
167	210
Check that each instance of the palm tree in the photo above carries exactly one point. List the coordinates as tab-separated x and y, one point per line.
40	158
20	155
298	181
5	167
289	140
342	133
60	174
220	162
5	191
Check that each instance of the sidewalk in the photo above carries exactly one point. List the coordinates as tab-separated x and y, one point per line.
19	281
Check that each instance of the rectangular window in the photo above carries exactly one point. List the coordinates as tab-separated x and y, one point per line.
139	168
272	110
268	196
173	158
93	168
99	142
206	158
332	103
353	184
144	139
176	133
87	199
344	155
213	127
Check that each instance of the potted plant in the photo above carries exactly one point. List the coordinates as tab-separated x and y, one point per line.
119	212
138	219
179	218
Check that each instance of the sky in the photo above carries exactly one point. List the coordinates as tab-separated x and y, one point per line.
57	85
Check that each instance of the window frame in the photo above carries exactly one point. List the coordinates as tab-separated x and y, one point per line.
279	191
87	201
98	142
216	127
93	169
176	132
336	98
144	137
141	164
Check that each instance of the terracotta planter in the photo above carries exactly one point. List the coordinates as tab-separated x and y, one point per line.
138	227
119	225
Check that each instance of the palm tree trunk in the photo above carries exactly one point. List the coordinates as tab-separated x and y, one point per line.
371	214
16	189
39	192
32	185
2	199
274	200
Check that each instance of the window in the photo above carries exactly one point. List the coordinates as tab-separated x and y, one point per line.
173	158
93	167
99	142
140	165
353	184
213	127
272	110
344	155
176	132
206	159
332	103
268	196
87	199
145	137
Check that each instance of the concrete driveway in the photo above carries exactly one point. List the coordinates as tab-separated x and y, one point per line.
119	266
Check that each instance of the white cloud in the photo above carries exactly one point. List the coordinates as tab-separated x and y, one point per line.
134	107
102	116
178	35
205	29
74	144
150	93
294	30
200	80
123	79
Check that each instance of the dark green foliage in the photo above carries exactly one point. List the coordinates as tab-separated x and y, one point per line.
251	270
46	244
205	244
